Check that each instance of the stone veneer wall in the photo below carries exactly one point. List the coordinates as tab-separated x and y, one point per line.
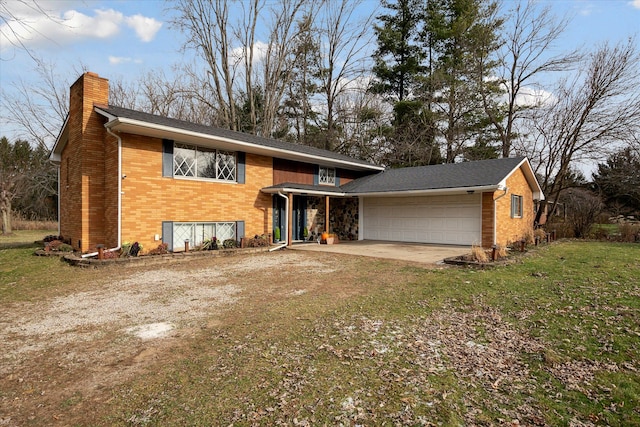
343	216
315	215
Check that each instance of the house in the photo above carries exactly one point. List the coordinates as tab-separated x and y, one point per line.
130	176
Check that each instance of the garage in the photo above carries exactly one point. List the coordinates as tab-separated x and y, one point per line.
450	219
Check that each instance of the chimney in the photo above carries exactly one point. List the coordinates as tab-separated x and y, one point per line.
82	167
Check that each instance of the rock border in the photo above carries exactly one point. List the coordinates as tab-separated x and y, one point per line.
77	261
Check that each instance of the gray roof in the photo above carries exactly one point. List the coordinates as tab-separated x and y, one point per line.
455	175
120	112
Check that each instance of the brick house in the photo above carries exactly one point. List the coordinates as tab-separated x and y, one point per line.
130	176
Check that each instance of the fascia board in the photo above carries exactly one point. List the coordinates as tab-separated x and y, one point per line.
56	152
530	177
307	192
427	192
126	125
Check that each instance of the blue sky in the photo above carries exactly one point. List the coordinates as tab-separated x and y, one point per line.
124	39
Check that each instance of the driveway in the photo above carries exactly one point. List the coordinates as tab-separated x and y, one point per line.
415	252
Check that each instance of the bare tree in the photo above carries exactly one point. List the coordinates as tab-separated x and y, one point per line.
530	32
593	114
206	24
246	33
16	29
346	36
280	57
39	109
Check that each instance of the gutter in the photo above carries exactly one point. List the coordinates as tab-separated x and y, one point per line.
286	241
426	192
117	248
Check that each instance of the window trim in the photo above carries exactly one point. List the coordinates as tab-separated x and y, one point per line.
517	206
328	181
169	232
216	151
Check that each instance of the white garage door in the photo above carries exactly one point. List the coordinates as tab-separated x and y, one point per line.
452	220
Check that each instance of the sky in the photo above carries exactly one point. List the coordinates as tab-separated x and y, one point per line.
124	39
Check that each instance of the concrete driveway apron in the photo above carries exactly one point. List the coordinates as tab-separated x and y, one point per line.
414	252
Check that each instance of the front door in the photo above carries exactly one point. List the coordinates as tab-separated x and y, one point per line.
279	219
299	217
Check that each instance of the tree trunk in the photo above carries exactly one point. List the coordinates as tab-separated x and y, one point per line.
5	209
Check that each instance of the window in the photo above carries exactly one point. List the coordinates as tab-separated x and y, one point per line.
516	206
199	162
326	176
197	232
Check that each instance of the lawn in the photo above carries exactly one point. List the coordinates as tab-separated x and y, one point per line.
296	338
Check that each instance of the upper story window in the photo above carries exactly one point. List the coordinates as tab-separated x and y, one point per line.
200	162
326	176
516	206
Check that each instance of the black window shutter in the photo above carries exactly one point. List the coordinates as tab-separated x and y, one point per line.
167	157
337	178
167	234
239	230
316	176
241	158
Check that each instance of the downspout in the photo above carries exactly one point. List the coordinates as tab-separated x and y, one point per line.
117	248
59	228
495	221
286	242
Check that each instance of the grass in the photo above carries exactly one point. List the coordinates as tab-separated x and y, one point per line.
551	340
24	237
363	360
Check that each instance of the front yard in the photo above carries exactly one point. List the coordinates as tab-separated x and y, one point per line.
303	338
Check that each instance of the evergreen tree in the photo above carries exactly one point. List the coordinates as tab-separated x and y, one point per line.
461	39
618	180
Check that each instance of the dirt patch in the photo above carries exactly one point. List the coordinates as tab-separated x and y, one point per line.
83	343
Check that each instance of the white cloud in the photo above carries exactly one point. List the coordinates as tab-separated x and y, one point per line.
145	28
532	97
635	3
116	60
259	52
31	25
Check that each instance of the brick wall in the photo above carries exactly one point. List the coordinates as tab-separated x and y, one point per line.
82	165
513	229
149	198
508	229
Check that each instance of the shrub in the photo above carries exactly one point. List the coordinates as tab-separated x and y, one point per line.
210	244
130	249
583	209
110	255
230	244
57	246
257	241
479	254
502	251
629	232
162	249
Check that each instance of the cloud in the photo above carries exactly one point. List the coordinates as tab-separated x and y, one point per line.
32	25
635	3
117	60
531	97
145	28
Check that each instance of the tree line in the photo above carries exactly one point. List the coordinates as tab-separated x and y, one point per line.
412	82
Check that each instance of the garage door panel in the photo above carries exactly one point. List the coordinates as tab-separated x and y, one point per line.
441	219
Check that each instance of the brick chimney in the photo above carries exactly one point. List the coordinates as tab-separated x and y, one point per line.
82	167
